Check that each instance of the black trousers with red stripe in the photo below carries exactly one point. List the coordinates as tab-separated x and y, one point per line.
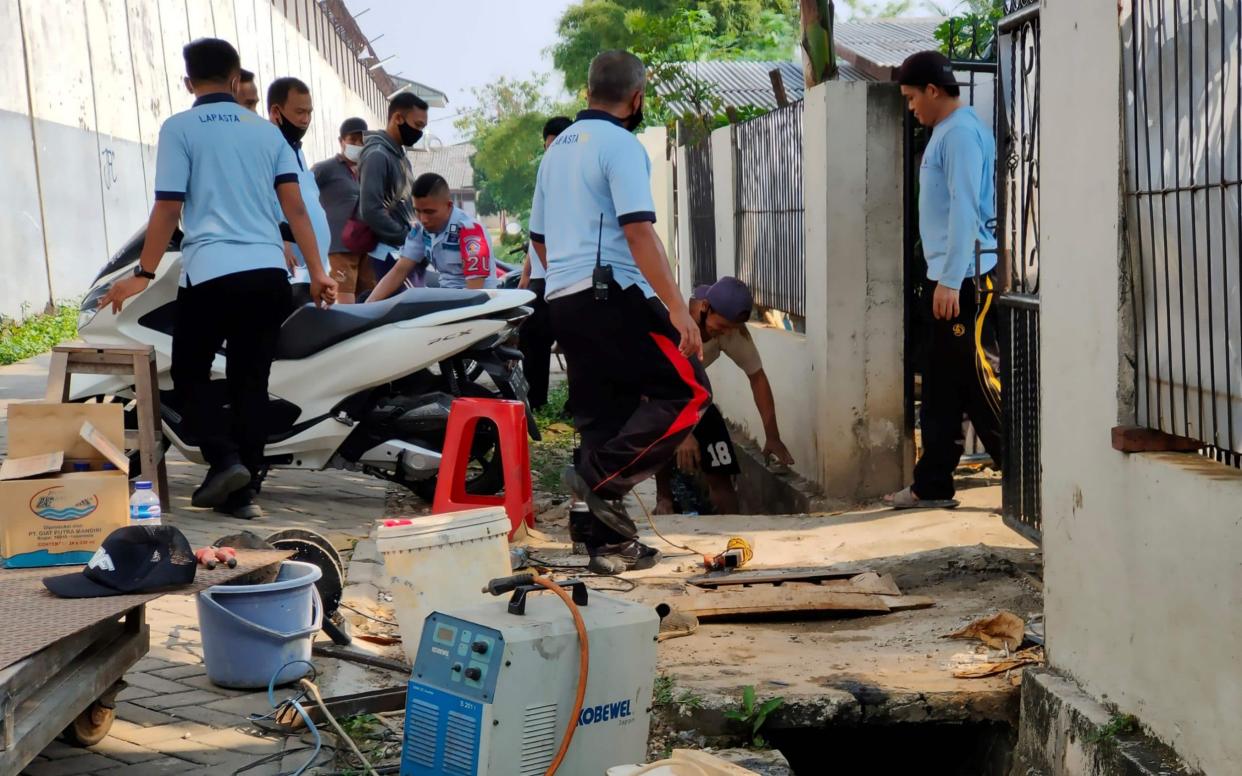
633	395
961	376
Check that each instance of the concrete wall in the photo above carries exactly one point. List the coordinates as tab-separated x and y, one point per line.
89	83
1142	579
839	387
655	141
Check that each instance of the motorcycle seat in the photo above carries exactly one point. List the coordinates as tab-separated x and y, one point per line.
311	329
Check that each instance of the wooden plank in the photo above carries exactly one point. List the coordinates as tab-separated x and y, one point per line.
76	350
1136	439
58	378
773	576
68	694
789	598
150	454
903	603
778	87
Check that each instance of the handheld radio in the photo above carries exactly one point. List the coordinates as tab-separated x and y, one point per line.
601	278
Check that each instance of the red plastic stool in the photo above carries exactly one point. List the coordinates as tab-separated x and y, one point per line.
510	419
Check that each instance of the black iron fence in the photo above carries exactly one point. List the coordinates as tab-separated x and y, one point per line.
1183	105
1017	171
767	174
702	216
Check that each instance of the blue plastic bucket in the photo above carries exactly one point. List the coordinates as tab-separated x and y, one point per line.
250	631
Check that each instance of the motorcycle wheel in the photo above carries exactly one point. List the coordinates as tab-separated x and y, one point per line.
485	473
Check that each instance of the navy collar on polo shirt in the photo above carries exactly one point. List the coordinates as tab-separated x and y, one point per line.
207	99
601	115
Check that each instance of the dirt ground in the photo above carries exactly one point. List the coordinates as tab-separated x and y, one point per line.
893	667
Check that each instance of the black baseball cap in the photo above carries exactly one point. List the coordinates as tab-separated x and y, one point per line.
351	125
926	68
133	559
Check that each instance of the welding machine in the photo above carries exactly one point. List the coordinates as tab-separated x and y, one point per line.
494	685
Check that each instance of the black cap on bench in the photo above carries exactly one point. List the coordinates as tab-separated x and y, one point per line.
133	559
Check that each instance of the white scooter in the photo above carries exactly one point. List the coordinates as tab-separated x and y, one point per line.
365	387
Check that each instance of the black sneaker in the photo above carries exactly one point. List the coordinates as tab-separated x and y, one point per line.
219	485
613	559
610	513
241	504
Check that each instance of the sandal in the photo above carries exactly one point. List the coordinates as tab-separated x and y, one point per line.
905	499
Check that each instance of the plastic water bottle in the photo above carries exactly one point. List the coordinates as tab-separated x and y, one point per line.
144	505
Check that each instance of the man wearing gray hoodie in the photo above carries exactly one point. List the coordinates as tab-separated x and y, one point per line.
385	178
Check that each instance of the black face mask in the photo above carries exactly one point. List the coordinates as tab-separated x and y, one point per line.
635	119
409	135
292	132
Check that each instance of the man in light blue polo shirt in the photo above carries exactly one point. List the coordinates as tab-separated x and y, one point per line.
216	166
957	205
636	385
289	106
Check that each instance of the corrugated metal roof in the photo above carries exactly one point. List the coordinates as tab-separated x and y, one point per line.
885	42
451	162
743	83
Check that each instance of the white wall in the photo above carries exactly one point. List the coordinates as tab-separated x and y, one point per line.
655	142
1142	573
88	84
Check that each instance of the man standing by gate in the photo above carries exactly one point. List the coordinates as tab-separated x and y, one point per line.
957	205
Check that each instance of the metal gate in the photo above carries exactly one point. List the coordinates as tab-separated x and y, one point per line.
702	215
1017	148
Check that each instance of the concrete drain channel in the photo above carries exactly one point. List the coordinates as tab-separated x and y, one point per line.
947	748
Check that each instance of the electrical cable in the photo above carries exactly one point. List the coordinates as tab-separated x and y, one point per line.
668	541
297	706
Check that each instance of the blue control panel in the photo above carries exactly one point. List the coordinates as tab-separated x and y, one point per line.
461	657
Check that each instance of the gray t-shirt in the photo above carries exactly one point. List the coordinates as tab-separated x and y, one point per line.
338	193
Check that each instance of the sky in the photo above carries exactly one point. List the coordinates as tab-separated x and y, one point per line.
456	45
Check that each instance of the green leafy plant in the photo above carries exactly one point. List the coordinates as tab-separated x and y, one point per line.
1119	725
753	714
665	694
37	334
969	36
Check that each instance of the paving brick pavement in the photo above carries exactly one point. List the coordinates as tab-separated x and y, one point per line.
171	719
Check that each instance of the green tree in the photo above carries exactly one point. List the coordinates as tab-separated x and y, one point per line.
744	29
505	128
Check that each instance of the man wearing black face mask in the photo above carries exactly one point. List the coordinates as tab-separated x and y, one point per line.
289	106
385	179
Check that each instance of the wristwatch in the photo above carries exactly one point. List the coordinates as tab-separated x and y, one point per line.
139	272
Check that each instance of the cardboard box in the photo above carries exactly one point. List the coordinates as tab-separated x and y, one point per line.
51	513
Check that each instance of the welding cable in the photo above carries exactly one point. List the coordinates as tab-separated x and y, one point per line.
297	706
584	665
668	541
